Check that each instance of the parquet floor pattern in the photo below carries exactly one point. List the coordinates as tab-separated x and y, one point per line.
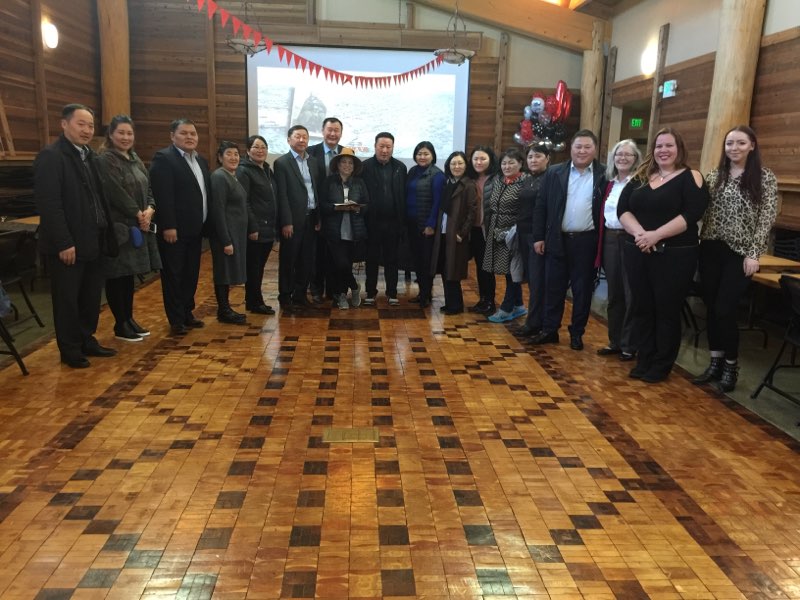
194	467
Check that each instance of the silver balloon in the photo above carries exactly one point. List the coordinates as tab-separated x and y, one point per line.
537	104
518	139
559	146
528	112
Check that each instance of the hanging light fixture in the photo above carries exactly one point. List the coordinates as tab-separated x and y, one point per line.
248	47
455	55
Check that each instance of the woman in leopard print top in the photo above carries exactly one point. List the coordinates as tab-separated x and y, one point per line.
744	201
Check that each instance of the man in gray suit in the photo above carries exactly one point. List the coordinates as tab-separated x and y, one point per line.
296	178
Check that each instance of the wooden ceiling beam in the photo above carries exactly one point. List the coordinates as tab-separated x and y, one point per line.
540	20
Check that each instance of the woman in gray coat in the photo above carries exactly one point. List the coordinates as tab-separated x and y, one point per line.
257	180
229	230
126	185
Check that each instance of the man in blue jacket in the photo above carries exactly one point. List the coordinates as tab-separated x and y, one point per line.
565	228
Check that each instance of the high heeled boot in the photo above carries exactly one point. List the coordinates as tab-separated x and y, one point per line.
712	373
730	375
225	314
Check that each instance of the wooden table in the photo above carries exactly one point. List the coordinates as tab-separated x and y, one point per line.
772	280
25	224
768	262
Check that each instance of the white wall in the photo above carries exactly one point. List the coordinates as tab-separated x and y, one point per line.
531	63
694	29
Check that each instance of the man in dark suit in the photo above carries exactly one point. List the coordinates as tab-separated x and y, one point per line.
385	177
297	181
322	153
565	228
180	180
75	230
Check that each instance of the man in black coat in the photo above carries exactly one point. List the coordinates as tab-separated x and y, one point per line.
385	177
322	153
75	231
565	227
181	185
297	182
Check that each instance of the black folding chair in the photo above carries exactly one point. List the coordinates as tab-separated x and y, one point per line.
790	285
18	255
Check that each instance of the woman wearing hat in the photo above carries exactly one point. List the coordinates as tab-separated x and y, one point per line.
343	206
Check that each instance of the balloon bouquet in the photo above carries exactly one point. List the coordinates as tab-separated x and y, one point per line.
544	119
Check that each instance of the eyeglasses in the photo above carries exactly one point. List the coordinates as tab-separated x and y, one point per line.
625	155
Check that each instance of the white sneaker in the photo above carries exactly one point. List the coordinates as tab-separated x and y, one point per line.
355	296
370	301
394	302
341	302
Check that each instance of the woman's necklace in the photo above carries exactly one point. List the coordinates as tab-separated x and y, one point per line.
665	176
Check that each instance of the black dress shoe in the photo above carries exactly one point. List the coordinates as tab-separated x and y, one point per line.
609	350
138	328
193	323
125	332
178	330
528	330
651	377
443	308
637	372
262	309
626	356
576	342
415	300
545	337
424	303
453	311
231	317
76	362
98	350
488	309
302	302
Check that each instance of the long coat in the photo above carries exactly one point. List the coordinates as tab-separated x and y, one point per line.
229	226
259	183
460	220
127	188
502	211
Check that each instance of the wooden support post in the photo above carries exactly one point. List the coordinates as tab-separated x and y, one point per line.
311	12
211	84
42	116
500	105
740	25
611	72
115	58
658	79
7	145
410	16
592	80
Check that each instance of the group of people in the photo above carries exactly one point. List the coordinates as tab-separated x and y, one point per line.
106	218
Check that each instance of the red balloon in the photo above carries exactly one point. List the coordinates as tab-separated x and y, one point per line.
566	106
561	90
553	106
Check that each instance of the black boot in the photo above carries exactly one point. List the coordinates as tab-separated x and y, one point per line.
712	373
730	374
225	314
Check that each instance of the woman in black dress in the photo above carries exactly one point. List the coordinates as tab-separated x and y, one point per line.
659	209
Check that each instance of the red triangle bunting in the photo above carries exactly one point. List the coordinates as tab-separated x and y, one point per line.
281	53
212	8
256	38
268	42
246	30
201	4
237	25
224	15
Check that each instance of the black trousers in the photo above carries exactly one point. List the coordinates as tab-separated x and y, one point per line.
659	283
257	256
296	261
453	294
574	269
321	273
422	251
179	274
536	284
341	266
76	292
487	284
620	317
724	284
383	246
119	294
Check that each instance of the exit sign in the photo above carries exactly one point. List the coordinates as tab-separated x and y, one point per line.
636	123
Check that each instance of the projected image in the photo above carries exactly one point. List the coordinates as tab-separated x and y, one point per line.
432	107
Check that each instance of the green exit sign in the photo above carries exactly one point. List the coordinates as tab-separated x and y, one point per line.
636	123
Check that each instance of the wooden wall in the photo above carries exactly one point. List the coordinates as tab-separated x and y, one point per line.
72	71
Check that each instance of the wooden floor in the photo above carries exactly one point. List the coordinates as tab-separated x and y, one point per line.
195	467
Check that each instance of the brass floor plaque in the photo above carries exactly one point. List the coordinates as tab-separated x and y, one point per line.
349	435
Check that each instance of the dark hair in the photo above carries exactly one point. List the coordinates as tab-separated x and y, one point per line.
750	184
332	120
69	110
584	133
173	127
427	145
225	145
539	148
116	121
252	140
294	128
384	134
515	154
649	166
447	173
494	164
